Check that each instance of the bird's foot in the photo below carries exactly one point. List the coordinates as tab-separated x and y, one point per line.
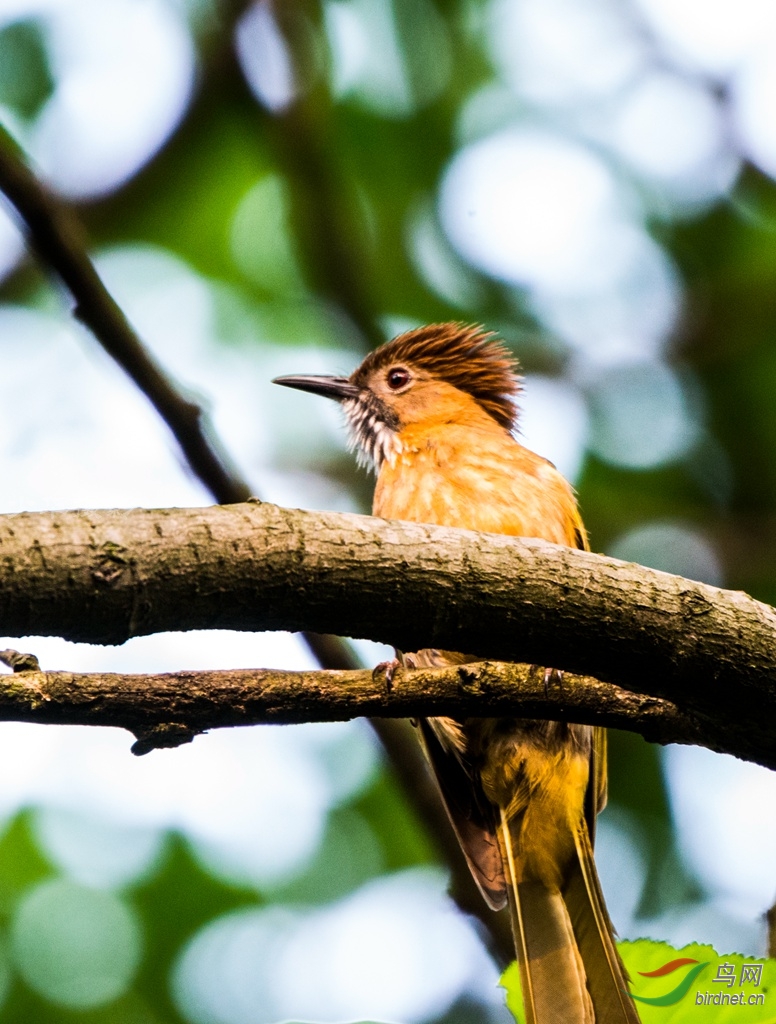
386	669
552	675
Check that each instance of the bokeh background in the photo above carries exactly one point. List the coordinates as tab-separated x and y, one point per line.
277	191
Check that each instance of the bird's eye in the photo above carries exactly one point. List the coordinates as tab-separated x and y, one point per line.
397	378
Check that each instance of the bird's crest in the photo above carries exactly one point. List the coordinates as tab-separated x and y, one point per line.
465	355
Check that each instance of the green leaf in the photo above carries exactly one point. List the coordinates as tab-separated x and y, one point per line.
694	983
510	982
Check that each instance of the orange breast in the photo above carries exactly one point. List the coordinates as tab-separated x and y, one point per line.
477	478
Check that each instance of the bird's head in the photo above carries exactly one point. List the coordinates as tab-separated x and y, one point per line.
435	374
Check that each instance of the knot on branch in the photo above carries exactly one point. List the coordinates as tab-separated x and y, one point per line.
471	680
166	734
695	602
111	565
19	662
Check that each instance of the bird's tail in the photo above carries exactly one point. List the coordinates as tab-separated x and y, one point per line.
570	970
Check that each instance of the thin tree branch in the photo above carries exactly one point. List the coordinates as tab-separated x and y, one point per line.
105	576
167	710
412	772
55	235
334	253
188	703
770	920
329	225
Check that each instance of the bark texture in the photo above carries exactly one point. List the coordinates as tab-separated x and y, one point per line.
168	709
104	576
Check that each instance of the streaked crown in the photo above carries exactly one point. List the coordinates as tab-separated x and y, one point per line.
406	378
464	355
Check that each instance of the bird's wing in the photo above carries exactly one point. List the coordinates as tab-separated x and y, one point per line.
597	785
471	814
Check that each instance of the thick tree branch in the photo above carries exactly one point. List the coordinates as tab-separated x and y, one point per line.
105	576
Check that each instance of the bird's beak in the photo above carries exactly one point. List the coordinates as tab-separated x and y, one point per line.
338	388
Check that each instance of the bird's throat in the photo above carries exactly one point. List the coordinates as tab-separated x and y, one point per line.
373	429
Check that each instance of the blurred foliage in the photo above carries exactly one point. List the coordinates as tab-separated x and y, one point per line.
25	76
368	836
303	218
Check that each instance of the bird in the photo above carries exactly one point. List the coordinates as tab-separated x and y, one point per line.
434	413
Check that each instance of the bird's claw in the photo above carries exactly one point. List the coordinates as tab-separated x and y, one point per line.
552	675
386	669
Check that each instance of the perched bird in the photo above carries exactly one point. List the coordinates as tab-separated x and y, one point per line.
433	411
